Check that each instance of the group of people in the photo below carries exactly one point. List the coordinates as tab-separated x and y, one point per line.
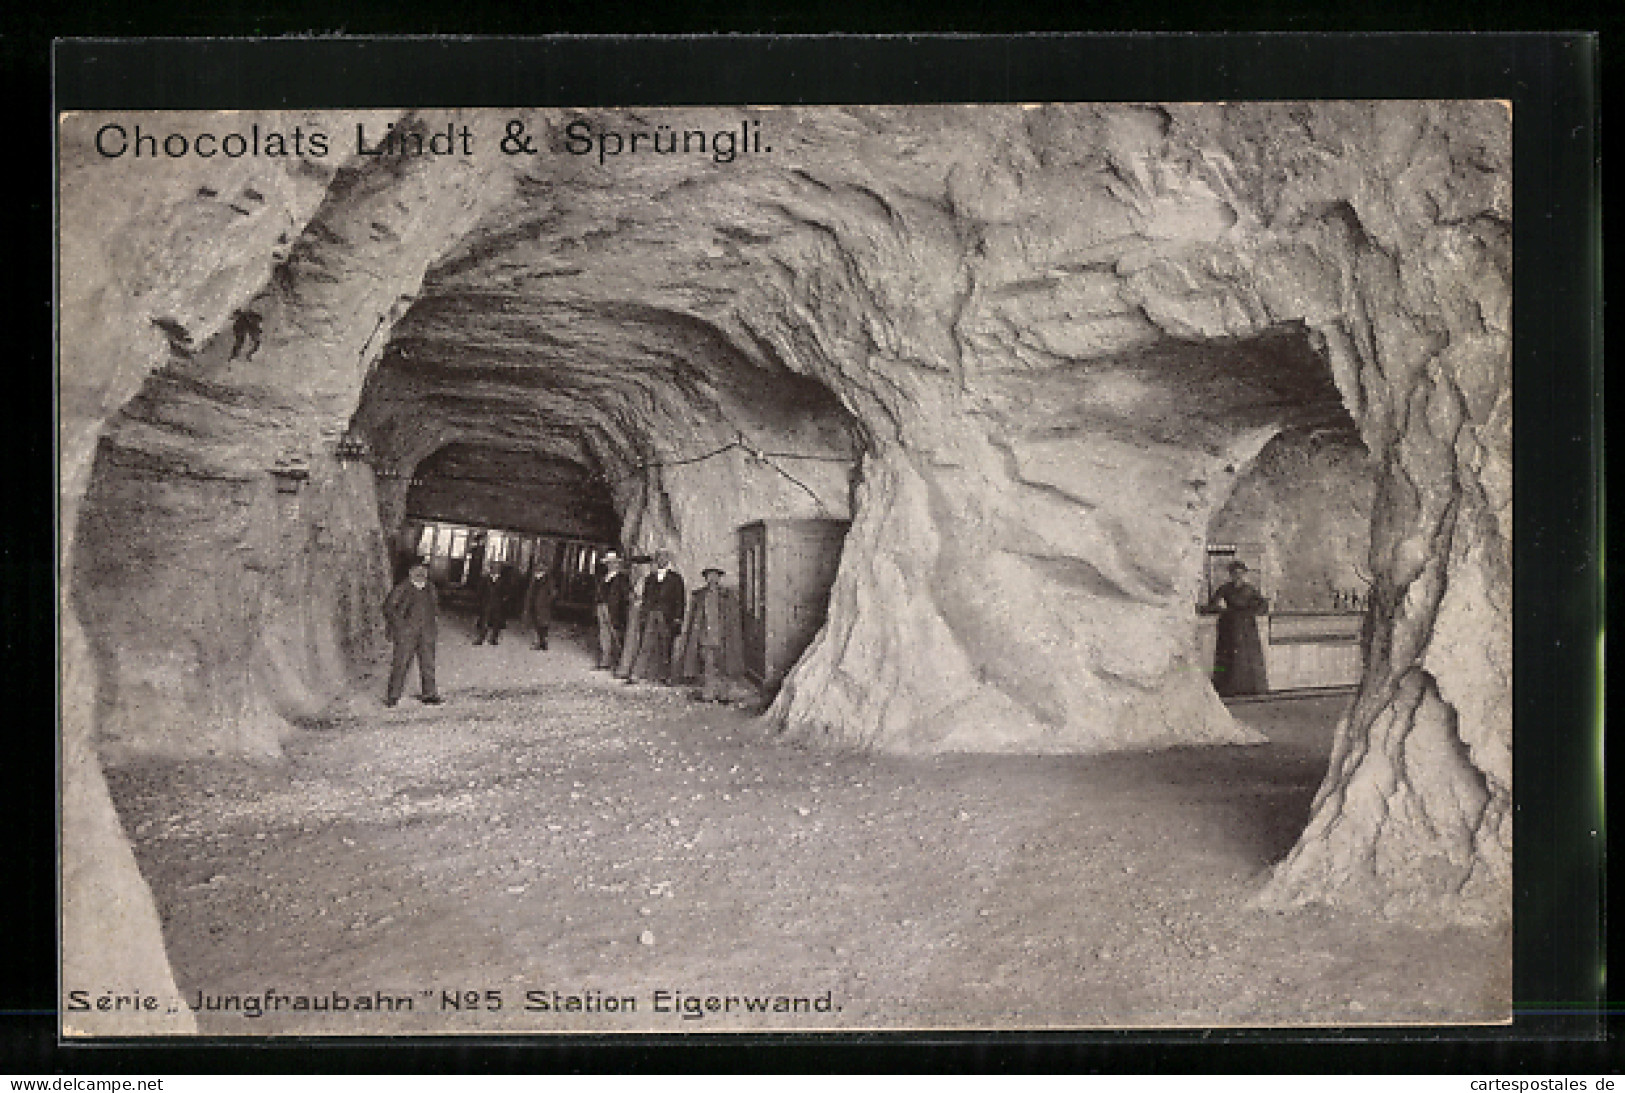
650	631
503	593
411	618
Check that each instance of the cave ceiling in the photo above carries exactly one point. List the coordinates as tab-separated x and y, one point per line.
821	294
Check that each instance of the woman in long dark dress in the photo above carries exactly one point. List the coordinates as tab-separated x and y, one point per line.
1238	654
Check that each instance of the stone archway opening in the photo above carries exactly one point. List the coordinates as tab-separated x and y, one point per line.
1300	518
1062	539
470	507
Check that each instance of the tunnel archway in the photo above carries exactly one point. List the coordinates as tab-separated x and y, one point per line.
1300	518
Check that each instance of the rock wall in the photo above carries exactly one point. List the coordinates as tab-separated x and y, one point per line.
268	601
156	254
118	276
1383	231
236	564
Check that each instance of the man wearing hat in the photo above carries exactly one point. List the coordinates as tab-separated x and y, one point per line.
539	597
610	596
409	615
495	590
663	602
1238	654
711	641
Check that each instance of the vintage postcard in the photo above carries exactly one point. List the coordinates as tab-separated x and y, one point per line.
982	566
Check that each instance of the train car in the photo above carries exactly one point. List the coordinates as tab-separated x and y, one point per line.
460	553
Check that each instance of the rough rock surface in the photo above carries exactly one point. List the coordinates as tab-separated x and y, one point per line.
119	274
1027	350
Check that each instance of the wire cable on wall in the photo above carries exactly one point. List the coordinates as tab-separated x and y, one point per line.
740	443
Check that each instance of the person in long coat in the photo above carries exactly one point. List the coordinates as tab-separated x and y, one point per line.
495	590
409	616
539	598
632	632
611	597
1238	654
664	599
711	643
474	561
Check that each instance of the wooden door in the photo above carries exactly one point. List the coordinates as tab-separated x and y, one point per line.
806	557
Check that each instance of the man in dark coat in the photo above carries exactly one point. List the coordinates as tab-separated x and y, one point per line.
710	643
611	598
409	615
539	602
404	554
245	325
495	591
473	562
1238	654
663	602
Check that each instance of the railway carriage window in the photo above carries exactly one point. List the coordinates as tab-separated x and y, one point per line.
426	541
459	542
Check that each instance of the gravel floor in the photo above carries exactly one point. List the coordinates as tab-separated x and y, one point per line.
553	834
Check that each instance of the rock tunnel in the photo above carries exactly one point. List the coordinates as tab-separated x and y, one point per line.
1028	352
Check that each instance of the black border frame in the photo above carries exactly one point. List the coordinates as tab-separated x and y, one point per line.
1552	81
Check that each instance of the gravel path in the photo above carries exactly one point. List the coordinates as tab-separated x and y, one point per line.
551	829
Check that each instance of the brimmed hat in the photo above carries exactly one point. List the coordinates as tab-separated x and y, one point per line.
713	569
1239	567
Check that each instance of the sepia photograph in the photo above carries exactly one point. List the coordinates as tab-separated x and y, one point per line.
740	569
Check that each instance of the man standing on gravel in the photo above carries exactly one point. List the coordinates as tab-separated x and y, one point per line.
609	597
663	604
409	615
710	639
494	590
539	602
